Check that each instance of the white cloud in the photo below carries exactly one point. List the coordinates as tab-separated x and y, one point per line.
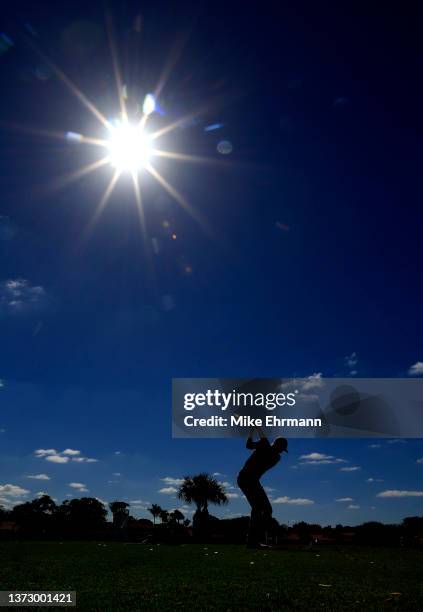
294	501
38	477
315	456
419	460
375	445
218	474
232	495
1	383
353	468
351	361
396	493
319	462
69	454
397	441
320	459
353	507
9	490
19	296
42	452
416	369
186	510
140	506
57	459
172	481
344	499
79	486
370	480
226	485
168	490
116	474
313	382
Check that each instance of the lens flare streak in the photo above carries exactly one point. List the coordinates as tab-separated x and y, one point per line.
127	142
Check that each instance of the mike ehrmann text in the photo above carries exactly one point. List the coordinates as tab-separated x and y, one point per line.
247	421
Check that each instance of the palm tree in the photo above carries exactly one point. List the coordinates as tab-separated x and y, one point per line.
164	516
120	512
177	516
201	490
155	510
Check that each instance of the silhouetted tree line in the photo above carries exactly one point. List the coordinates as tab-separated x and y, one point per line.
86	518
43	518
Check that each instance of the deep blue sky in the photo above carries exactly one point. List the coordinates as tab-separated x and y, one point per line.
314	256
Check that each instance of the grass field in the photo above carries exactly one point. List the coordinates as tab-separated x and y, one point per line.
117	576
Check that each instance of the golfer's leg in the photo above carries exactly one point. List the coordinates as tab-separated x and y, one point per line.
265	512
254	497
253	538
244	484
254	493
249	486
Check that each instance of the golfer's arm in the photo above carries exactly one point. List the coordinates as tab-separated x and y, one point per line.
250	443
260	433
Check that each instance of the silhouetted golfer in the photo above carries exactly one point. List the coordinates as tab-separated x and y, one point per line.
264	457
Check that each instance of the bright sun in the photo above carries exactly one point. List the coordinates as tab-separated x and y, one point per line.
130	148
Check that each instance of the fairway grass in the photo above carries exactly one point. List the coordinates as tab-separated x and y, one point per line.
120	576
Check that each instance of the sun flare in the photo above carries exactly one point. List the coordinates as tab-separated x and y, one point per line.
130	147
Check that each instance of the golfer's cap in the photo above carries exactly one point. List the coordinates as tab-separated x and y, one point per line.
281	443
